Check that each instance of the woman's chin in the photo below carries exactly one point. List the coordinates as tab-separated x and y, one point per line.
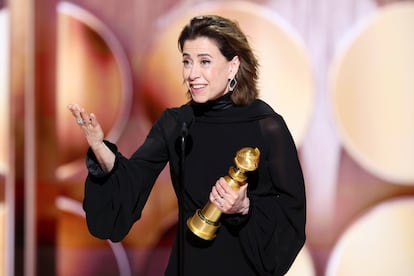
199	99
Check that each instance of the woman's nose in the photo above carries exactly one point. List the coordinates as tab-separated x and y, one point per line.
194	72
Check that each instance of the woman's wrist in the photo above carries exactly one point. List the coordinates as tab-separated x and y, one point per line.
96	146
104	156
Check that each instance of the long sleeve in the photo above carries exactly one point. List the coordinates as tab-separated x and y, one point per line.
275	231
114	201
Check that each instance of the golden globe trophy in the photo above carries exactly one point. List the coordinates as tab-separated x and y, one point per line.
204	223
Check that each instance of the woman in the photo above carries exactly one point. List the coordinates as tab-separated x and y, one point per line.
263	223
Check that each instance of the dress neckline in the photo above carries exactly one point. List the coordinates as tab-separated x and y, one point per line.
222	103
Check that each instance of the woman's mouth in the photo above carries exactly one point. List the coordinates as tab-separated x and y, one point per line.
197	87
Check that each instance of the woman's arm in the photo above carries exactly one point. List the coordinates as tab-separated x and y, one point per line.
275	231
114	200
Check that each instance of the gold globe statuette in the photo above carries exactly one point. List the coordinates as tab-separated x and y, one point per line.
205	222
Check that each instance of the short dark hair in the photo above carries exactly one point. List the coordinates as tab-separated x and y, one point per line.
231	42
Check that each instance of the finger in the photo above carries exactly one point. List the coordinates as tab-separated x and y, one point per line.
77	113
82	119
225	187
212	197
75	109
220	191
92	119
243	188
82	113
86	118
216	200
215	193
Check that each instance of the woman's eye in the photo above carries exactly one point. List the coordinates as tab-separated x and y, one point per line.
186	63
205	62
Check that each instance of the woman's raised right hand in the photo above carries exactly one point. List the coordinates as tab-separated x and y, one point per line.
89	125
94	135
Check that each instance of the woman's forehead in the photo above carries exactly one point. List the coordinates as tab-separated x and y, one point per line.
201	45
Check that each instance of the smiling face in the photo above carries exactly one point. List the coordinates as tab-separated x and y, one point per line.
205	70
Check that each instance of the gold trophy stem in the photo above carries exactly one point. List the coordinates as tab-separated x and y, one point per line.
204	223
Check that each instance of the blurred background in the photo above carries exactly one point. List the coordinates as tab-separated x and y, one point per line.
340	72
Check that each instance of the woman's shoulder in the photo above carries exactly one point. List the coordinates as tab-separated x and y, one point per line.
173	118
181	114
262	106
265	111
261	109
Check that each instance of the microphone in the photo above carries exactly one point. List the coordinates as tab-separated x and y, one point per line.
186	117
184	133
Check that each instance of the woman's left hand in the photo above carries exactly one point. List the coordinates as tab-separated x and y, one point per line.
228	200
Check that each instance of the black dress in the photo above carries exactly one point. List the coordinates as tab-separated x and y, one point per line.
263	242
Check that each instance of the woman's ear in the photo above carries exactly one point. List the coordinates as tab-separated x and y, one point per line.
234	66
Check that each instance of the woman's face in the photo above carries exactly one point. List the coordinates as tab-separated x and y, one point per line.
205	70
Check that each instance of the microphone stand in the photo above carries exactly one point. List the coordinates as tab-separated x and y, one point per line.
181	225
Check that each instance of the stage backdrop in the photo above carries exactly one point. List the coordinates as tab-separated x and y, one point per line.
340	72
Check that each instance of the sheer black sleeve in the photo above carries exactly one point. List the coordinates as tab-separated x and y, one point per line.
275	231
114	201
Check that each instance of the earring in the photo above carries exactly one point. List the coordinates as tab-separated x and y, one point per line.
232	84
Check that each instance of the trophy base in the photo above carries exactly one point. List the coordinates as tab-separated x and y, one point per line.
202	227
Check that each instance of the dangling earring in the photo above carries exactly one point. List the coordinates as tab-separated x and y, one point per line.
232	84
